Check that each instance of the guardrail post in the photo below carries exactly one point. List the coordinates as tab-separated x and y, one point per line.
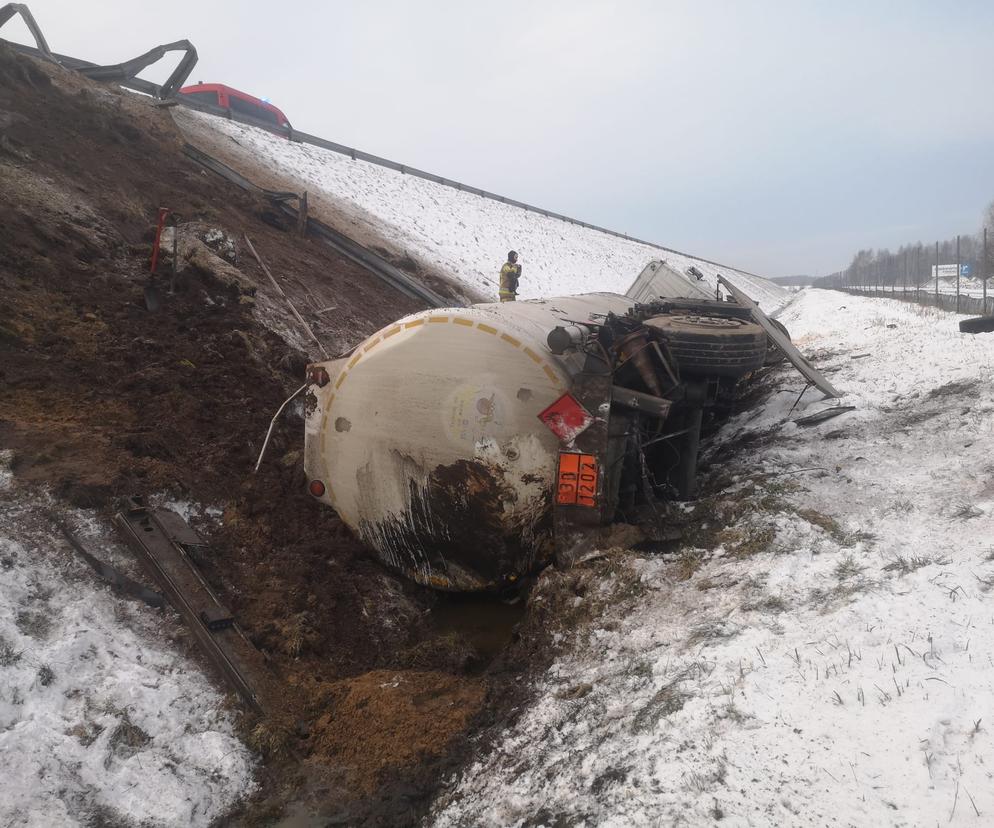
302	215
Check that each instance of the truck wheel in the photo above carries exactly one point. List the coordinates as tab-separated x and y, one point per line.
979	324
706	307
711	345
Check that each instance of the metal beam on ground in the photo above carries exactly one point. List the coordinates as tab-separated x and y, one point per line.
164	542
797	359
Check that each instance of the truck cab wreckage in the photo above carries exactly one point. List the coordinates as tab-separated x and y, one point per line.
471	446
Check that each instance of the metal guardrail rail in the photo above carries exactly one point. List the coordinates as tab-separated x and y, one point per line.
125	74
344	245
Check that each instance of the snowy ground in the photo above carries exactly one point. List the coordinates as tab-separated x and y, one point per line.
102	722
967	286
827	657
452	232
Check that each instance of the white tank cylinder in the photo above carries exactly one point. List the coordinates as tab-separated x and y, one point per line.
427	440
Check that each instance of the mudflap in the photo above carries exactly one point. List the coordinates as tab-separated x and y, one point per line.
587	478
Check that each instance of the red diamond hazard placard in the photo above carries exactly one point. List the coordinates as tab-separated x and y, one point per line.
566	418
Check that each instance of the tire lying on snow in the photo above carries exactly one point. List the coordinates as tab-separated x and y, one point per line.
979	324
712	345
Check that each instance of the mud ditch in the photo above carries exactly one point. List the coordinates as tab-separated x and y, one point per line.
387	687
100	399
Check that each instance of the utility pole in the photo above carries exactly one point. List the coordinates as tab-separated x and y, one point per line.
918	269
919	281
957	274
985	274
905	285
937	274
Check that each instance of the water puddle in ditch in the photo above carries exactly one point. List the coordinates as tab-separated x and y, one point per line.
486	622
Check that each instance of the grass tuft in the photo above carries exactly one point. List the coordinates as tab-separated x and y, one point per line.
86	732
45	675
667	701
825	522
689	561
771	603
848	568
752	542
8	655
967	511
905	566
126	740
271	738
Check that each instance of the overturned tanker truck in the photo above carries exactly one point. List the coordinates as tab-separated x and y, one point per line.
470	446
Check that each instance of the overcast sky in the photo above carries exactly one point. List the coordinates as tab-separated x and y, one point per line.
774	136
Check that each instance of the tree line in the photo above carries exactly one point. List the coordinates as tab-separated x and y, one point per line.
911	264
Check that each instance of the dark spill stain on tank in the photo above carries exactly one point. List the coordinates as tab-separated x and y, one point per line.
458	527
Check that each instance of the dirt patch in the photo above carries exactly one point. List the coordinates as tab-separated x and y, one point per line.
957	388
384	720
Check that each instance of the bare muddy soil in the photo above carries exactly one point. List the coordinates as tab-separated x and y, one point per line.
101	399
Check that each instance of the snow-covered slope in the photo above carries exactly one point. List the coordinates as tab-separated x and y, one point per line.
452	233
102	721
827	660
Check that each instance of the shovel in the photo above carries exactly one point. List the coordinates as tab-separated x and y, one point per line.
153	297
174	219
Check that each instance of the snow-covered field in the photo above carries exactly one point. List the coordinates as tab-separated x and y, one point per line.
451	232
829	658
102	721
967	286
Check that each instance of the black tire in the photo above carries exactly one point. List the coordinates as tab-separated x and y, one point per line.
712	346
774	355
979	324
706	307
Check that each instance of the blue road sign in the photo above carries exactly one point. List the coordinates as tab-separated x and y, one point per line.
965	270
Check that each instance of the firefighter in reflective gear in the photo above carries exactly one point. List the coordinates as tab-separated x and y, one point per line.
510	273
